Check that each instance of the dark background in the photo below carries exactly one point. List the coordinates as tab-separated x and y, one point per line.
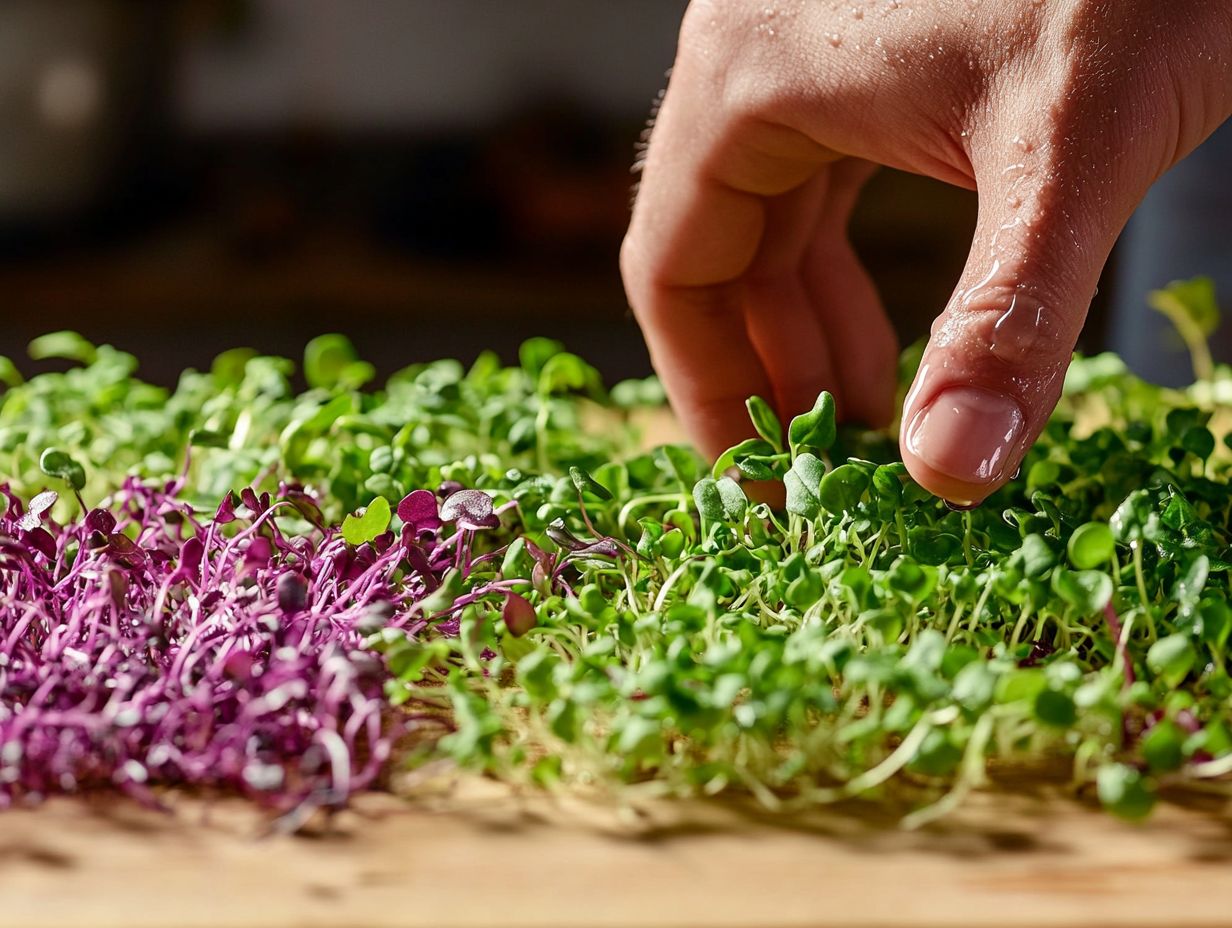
431	177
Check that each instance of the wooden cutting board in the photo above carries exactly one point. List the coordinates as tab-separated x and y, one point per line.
1011	859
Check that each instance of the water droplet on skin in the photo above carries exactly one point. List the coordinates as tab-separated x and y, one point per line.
1019	330
996	239
857	12
834	39
1022	144
1014	201
970	293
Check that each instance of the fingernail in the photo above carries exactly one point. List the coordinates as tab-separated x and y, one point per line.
967	433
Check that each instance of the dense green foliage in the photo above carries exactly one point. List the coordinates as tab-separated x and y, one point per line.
624	617
242	423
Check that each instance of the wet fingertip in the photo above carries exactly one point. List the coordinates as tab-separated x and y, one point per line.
969	434
956	494
960	507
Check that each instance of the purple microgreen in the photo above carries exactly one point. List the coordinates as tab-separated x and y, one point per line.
420	513
124	550
304	502
256	685
518	614
448	488
470	509
41	541
226	509
560	533
257	554
38	509
292	593
191	554
101	520
254	503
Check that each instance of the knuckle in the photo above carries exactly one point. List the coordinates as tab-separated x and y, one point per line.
704	31
1018	328
633	270
719	48
1010	340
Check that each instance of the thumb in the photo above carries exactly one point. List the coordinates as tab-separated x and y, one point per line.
994	367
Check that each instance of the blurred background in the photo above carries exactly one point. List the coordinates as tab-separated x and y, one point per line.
431	177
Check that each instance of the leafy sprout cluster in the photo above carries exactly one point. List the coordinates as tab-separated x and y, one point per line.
563	610
243	422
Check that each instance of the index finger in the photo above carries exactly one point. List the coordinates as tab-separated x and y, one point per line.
697	227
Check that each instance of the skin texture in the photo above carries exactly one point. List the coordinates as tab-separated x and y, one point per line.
1060	113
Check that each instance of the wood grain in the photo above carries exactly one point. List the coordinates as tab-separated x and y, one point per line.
1012	859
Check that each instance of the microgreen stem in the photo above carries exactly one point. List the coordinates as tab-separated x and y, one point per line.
1144	597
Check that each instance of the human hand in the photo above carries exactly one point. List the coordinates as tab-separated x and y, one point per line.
1060	113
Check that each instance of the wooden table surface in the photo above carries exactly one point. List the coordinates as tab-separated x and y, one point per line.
1011	859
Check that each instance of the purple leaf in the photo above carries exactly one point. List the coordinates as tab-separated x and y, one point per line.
100	520
125	550
519	615
340	561
419	563
226	510
604	547
419	511
249	497
43	501
540	576
38	507
257	555
545	563
238	665
363	557
470	509
303	501
292	593
559	533
41	541
117	586
191	554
